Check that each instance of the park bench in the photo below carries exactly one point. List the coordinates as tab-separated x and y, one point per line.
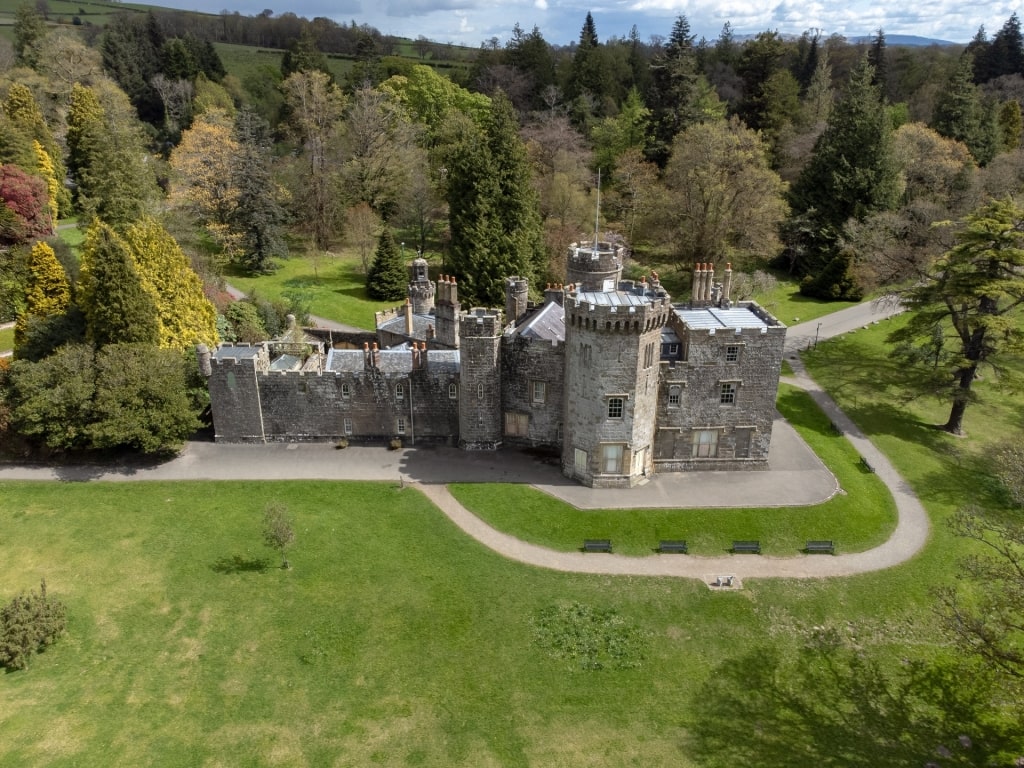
867	465
824	547
747	547
597	545
674	546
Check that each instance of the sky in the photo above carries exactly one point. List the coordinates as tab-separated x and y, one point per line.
471	22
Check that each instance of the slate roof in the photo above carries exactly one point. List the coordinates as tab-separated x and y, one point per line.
420	323
547	323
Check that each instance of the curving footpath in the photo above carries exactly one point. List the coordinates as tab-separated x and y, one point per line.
907	540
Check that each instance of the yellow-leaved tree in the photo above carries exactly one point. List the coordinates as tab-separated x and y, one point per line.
203	179
187	317
47	295
45	164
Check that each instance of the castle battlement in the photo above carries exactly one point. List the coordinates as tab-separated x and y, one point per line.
617	312
595	266
480	321
241	354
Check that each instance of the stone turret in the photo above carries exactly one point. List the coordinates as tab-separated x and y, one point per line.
516	293
421	290
595	266
613	351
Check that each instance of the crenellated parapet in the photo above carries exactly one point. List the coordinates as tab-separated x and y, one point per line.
480	322
631	311
595	266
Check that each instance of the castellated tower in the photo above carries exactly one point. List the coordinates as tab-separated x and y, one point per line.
594	267
612	363
480	333
421	290
516	296
446	313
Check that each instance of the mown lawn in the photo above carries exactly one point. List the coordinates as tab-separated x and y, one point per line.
6	339
333	286
395	640
861	517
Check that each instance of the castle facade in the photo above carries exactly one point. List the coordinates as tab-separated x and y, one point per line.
609	375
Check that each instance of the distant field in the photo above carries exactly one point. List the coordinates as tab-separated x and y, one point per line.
6	339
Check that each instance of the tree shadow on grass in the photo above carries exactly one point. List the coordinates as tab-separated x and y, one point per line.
240	564
838	707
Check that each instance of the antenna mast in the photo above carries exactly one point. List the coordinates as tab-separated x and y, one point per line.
597	213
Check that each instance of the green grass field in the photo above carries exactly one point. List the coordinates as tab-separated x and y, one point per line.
6	339
396	640
335	287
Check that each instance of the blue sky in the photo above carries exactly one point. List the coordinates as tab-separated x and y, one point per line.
470	22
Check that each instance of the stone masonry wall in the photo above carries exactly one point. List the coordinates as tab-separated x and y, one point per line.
523	362
744	427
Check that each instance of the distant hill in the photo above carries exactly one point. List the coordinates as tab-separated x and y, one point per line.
910	40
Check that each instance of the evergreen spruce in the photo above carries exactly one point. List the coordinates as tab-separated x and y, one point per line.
117	308
961	114
388	278
851	174
493	217
257	216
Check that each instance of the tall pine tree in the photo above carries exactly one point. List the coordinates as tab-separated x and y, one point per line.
257	217
47	295
117	308
852	173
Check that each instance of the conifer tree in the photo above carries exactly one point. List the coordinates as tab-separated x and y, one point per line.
44	163
107	158
852	173
1010	127
29	29
117	308
961	114
48	293
674	79
516	203
495	225
257	216
970	298
187	317
388	278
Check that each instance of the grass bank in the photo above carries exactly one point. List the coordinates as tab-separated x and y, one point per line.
860	517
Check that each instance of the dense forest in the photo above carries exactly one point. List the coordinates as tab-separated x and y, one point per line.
845	165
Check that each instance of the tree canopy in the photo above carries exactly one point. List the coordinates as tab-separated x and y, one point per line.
965	312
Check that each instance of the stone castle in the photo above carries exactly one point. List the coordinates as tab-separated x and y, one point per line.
609	375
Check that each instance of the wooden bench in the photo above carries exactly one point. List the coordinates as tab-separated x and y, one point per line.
597	545
747	547
674	546
823	547
867	465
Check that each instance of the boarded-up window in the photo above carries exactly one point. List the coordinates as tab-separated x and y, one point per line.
517	424
705	444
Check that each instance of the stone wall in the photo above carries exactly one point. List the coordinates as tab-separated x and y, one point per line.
743	428
525	362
